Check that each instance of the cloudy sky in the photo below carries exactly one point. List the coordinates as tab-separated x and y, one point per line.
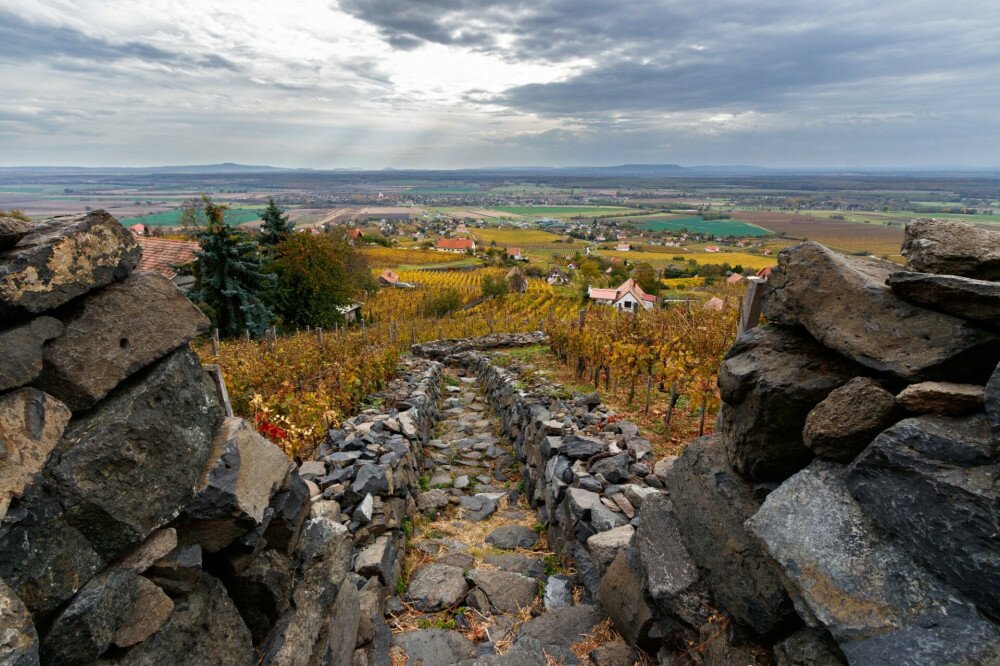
457	83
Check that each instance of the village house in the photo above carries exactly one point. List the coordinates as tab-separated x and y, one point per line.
167	257
629	297
515	254
711	248
388	278
624	247
517	281
455	245
735	278
556	277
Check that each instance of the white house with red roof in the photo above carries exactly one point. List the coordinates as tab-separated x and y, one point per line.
455	244
514	253
629	296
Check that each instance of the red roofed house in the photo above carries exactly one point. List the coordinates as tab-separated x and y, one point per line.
139	229
711	248
163	256
735	278
354	234
455	244
629	296
514	253
388	278
765	272
624	247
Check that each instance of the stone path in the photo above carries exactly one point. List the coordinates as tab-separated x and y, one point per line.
479	585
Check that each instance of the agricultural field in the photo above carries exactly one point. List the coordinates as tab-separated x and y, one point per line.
172	218
698	225
840	235
562	212
902	216
661	259
390	257
515	237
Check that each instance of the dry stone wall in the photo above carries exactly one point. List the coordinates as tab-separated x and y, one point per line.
847	509
138	524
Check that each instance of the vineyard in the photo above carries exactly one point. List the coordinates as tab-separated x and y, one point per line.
391	257
519	237
673	352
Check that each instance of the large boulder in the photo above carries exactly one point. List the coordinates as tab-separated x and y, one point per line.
12	230
204	628
711	503
955	248
848	419
31	424
18	638
878	604
845	304
933	483
62	258
562	627
431	646
325	549
671	576
507	591
21	350
769	381
241	473
434	587
336	646
128	467
621	598
115	332
975	300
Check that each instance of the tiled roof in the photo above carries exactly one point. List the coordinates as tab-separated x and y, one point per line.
160	255
454	243
389	276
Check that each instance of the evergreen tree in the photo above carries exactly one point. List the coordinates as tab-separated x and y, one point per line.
275	226
229	281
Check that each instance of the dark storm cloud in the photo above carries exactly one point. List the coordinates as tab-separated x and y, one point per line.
23	41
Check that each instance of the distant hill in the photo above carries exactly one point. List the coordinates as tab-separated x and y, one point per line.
224	168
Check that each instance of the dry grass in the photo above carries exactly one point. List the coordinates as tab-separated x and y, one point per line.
602	634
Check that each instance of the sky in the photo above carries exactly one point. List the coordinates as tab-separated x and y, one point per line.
470	83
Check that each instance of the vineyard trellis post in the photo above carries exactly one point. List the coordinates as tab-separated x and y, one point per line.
215	342
319	336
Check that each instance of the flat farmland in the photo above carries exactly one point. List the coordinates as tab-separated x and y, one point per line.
516	237
698	225
662	259
841	235
172	218
559	212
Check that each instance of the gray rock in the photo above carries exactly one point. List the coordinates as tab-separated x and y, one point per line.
621	597
63	258
528	566
604	519
672	578
808	647
955	248
179	572
711	503
992	398
845	304
975	300
432	500
942	398
558	592
561	627
114	333
365	510
425	647
578	446
848	419
371	610
371	480
477	507
770	380
21	350
336	647
434	587
126	468
147	615
604	546
290	507
87	626
508	592
44	559
876	602
203	629
378	558
241	473
615	653
512	536
31	423
262	591
325	549
18	640
12	230
932	482
614	469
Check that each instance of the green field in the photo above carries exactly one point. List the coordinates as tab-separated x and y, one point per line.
172	218
557	211
698	225
441	190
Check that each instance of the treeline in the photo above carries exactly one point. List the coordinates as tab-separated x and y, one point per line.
247	282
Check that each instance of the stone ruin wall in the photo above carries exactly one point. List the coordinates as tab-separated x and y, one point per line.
845	512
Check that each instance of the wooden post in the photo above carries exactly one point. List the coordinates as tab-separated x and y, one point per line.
670	408
308	329
413	334
246	333
649	386
580	366
319	336
215	342
750	313
701	420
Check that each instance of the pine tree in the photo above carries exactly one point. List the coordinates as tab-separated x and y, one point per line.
275	227
229	281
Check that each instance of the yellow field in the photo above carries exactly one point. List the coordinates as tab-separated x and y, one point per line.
661	259
390	257
683	283
515	237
